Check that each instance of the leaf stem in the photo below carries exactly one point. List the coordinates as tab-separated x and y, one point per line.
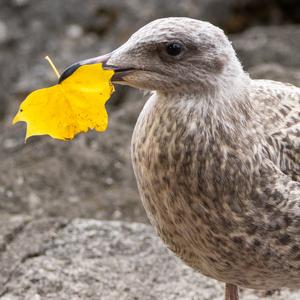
52	66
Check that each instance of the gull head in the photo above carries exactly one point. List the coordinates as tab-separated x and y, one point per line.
172	55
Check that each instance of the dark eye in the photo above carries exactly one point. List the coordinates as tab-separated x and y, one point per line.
174	49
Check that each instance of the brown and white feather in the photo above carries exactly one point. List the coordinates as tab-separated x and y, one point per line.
216	156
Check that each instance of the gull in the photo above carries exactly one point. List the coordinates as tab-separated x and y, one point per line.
215	153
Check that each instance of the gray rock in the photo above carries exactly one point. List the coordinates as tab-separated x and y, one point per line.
87	259
272	44
92	175
3	32
276	72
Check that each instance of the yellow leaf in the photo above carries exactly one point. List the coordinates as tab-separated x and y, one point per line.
75	105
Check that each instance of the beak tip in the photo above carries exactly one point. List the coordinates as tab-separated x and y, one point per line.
68	72
96	60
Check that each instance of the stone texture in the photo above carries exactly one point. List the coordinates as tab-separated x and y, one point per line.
91	177
277	72
272	44
87	259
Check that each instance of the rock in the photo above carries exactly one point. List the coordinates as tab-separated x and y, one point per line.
92	176
3	32
276	72
272	44
88	259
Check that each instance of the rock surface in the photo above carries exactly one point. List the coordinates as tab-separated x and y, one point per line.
275	72
87	259
273	44
91	177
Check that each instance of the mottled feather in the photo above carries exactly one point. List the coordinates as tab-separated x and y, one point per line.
216	155
279	107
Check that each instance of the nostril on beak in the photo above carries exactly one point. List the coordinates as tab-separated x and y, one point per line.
95	60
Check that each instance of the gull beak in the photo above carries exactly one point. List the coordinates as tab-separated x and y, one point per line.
103	59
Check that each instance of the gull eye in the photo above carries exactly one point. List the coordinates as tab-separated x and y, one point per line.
174	49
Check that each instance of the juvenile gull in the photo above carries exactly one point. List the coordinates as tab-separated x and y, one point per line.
215	153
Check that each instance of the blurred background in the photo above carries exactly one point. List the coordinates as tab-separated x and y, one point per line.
91	176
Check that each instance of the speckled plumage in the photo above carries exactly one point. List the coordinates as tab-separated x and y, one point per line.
221	200
216	155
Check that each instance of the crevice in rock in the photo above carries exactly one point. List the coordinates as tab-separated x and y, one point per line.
28	256
12	236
